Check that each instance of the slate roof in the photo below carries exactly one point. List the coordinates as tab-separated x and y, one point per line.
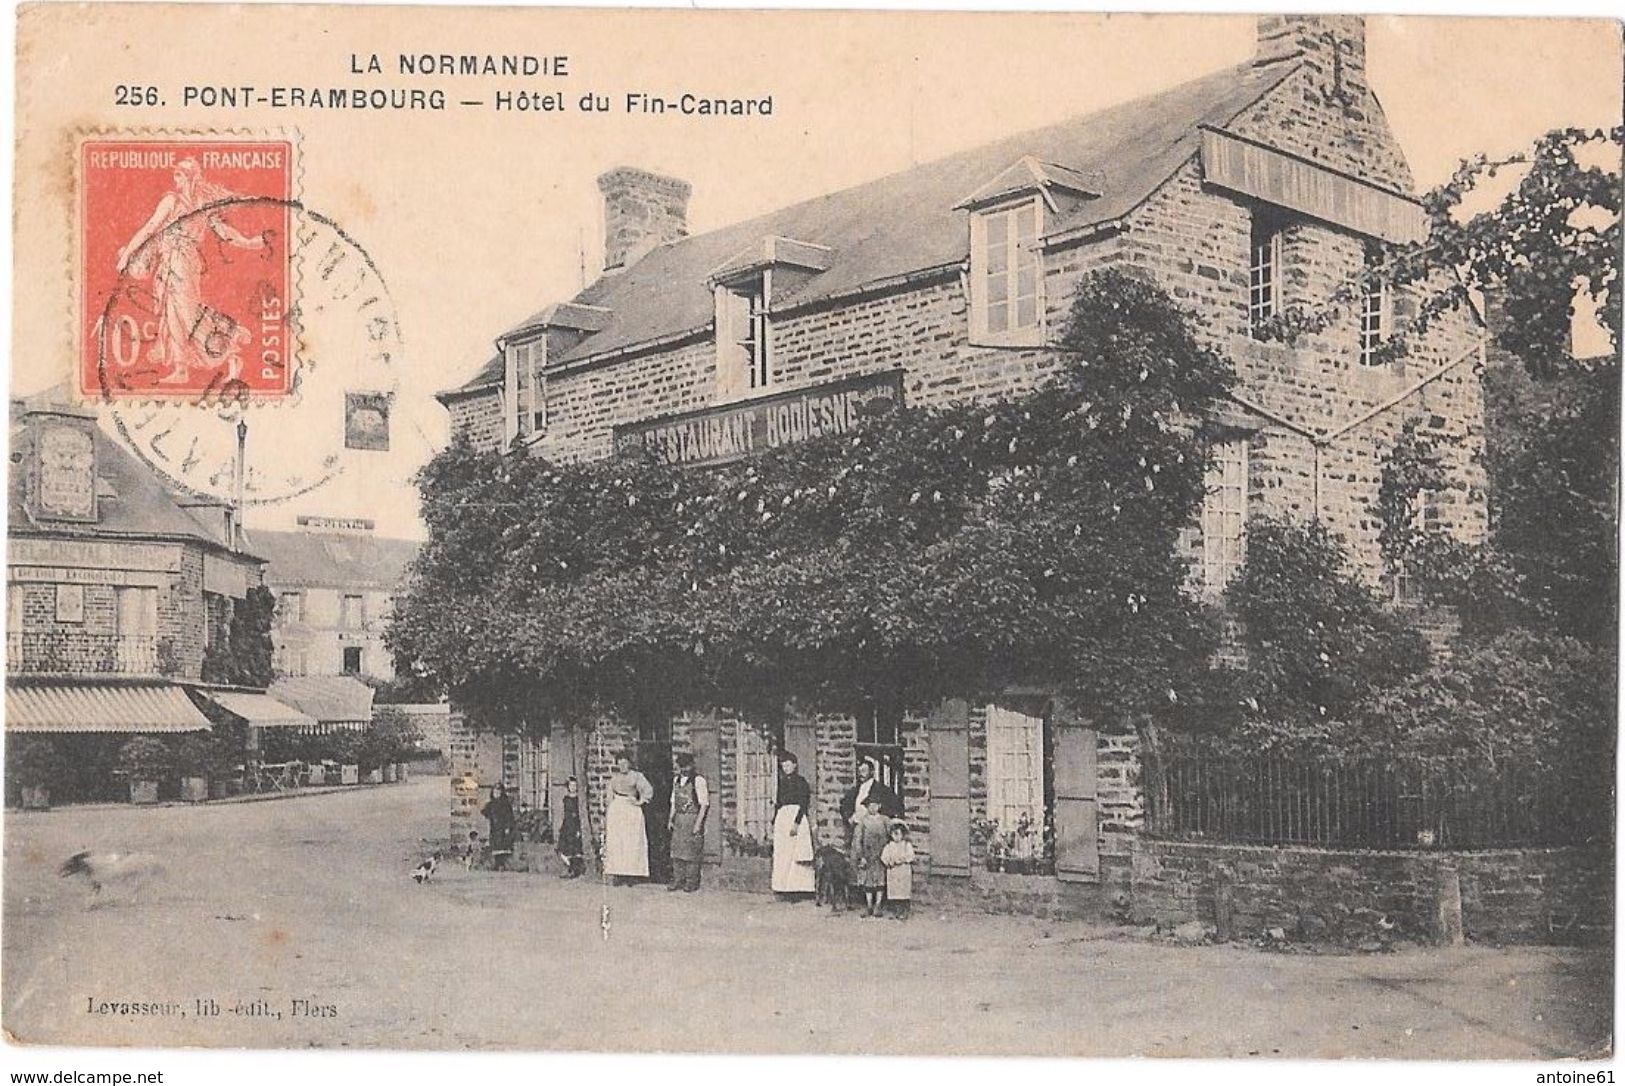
907	222
333	558
132	500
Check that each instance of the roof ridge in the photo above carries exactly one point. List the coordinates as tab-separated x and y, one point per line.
1102	133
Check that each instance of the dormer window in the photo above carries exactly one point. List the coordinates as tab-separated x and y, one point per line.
1006	275
744	337
526	387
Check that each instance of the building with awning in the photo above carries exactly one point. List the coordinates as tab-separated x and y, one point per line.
258	710
331	701
118	588
63	706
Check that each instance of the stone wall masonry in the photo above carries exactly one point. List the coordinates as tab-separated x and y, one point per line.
1560	895
479	415
1306	116
1195	242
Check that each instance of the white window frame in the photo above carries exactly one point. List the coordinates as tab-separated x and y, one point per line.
1263	271
1376	309
1224	515
744	337
1015	769
756	777
359	614
1015	253
524	406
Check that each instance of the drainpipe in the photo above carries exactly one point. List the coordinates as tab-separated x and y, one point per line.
240	474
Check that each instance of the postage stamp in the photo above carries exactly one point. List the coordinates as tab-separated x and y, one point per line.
185	268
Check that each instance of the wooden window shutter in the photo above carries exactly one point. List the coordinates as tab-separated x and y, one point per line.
1077	817
705	742
948	730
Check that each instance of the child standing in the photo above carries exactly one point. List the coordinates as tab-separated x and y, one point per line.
569	843
869	835
898	859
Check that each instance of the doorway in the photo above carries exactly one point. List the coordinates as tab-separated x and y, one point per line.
652	756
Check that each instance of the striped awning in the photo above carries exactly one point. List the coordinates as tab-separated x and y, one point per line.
101	707
259	710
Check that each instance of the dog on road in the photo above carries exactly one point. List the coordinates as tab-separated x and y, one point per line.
425	870
831	876
119	871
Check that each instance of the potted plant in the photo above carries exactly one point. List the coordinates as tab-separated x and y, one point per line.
396	736
143	760
342	748
35	765
195	760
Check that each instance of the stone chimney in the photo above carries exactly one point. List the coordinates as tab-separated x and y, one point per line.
1332	45
642	210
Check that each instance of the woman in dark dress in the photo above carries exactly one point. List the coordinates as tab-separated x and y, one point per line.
792	832
499	813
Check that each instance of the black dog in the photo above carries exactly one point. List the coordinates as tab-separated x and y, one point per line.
831	874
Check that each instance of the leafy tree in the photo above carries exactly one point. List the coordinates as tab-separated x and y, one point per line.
1318	643
244	658
1551	452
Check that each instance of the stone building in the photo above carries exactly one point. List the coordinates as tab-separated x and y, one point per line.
1249	194
116	590
335	582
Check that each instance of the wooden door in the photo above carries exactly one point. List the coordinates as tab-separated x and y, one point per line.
801	739
948	732
1077	815
705	743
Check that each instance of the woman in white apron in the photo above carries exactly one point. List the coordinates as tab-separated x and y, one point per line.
626	842
792	832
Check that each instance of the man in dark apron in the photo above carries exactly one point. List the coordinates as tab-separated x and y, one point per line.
690	803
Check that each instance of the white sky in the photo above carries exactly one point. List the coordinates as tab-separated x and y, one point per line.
476	224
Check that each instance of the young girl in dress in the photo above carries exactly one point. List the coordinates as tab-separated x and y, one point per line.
869	834
569	843
898	859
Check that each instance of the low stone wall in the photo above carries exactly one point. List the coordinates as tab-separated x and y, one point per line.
1562	895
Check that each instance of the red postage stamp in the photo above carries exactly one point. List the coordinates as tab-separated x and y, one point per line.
185	272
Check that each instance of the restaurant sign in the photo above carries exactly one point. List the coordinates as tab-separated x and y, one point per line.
716	435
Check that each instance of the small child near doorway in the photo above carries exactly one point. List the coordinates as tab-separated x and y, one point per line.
898	858
869	835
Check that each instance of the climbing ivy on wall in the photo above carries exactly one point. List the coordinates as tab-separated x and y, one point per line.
930	552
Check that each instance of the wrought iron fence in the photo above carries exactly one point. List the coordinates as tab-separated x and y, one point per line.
1377	805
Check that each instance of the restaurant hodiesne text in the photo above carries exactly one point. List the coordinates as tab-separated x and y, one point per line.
717	435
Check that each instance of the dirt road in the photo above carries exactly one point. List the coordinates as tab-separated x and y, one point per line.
297	921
